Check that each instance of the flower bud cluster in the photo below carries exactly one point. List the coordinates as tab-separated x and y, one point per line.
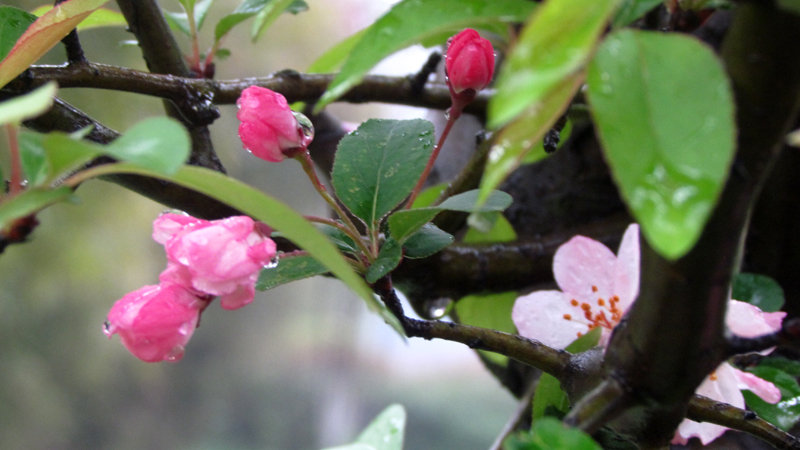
205	259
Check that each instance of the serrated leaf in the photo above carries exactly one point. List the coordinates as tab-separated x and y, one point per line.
30	201
377	165
101	17
13	23
271	211
631	10
412	21
549	397
388	259
267	15
784	414
667	130
158	143
289	269
406	222
758	290
427	241
43	34
28	105
555	45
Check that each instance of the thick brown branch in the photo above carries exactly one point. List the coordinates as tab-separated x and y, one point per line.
294	85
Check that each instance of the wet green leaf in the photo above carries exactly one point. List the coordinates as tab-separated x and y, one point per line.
413	21
158	143
378	164
427	241
43	34
631	10
388	259
289	269
554	46
13	22
758	290
406	222
786	412
663	108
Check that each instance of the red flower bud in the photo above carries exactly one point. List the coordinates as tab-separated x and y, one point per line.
269	128
469	62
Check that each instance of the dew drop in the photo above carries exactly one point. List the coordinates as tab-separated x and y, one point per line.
437	308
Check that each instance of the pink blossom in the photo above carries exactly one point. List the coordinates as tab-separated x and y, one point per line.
469	61
598	287
155	322
269	129
218	258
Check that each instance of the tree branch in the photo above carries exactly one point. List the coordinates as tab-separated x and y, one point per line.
293	85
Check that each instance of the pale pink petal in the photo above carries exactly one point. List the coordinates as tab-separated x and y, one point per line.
746	320
584	269
540	316
723	386
759	386
167	225
242	296
626	282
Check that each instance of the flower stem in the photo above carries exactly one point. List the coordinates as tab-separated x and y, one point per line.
452	115
304	158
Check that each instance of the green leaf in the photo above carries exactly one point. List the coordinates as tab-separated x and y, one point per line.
180	20
786	412
537	153
267	15
516	141
790	366
28	202
43	34
289	269
631	10
340	239
378	164
99	18
160	144
758	290
245	10
427	241
29	105
555	45
550	434
384	433
549	398
406	222
388	259
667	130
488	311
49	157
412	21
13	22
334	57
271	211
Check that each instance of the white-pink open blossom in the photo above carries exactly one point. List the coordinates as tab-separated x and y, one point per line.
598	287
218	258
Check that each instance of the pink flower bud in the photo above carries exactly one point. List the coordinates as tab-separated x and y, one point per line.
155	322
220	257
469	62
269	128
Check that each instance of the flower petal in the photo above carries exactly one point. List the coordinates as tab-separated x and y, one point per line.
723	386
541	316
626	280
759	386
584	269
746	320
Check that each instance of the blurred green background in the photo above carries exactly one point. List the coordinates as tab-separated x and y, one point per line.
305	366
